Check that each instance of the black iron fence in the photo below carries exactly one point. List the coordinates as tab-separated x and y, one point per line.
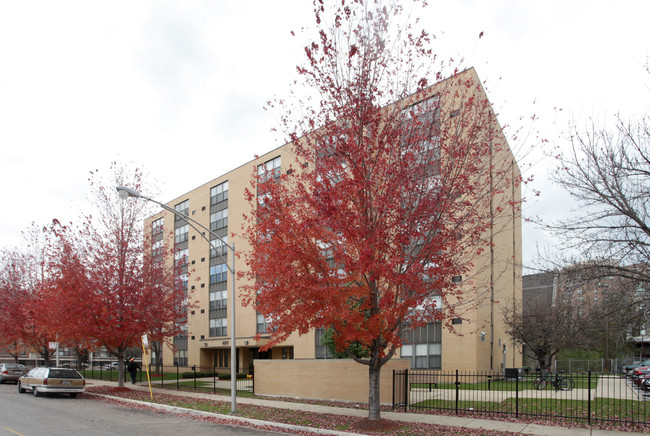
208	379
580	397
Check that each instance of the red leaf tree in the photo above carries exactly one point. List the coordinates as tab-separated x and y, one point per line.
25	320
108	281
394	193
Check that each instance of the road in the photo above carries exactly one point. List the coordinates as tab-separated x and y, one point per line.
24	414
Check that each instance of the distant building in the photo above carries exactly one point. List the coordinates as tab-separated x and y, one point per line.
539	290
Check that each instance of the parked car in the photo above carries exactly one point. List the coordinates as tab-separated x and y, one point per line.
11	372
626	370
112	365
645	384
639	374
52	380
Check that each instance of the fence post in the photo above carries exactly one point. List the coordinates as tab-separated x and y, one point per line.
194	375
394	389
457	387
517	395
589	397
407	393
177	377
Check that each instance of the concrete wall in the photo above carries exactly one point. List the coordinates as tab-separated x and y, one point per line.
323	379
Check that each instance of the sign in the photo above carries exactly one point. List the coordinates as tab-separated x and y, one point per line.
145	340
53	345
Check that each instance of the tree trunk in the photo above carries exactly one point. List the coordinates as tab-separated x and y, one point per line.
120	368
374	401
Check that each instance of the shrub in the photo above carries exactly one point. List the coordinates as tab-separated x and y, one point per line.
226	375
199	374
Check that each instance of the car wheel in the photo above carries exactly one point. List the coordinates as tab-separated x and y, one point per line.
36	392
20	388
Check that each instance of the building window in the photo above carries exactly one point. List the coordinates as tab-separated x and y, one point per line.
218	300
218	273
157	226
222	358
219	219
287	352
263	323
183	208
184	282
180	257
421	124
424	346
269	170
180	353
157	248
219	193
219	247
180	358
218	326
322	351
426	356
181	234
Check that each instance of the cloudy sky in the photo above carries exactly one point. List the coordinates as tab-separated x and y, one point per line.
172	85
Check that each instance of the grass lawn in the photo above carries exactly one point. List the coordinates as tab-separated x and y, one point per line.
575	410
500	385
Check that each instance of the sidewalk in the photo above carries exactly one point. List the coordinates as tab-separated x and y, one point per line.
466	422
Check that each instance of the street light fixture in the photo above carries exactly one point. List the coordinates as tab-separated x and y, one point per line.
125	193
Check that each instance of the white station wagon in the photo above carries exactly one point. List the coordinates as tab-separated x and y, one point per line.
52	381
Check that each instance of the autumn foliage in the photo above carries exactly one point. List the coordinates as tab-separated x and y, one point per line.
389	197
99	284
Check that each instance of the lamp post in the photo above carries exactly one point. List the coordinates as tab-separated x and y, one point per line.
124	193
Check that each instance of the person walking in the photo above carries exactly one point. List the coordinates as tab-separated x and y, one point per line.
132	368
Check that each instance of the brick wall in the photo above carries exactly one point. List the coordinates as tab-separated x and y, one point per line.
323	379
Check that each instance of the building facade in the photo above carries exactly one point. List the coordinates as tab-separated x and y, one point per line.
478	341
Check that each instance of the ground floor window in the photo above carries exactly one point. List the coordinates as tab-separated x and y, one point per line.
222	358
180	358
180	353
423	346
287	352
322	351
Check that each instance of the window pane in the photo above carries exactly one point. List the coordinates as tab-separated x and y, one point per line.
421	350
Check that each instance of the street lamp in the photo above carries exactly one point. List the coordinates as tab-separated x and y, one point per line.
125	193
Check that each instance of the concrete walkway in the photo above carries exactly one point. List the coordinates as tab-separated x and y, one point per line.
466	422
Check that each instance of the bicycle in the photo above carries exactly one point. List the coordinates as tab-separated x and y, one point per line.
559	383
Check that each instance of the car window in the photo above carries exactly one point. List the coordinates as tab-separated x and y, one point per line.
14	366
64	373
40	373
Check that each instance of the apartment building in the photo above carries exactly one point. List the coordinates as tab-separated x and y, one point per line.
479	341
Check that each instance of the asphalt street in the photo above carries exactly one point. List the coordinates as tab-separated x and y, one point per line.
24	414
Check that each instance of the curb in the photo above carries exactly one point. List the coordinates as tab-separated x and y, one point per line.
228	419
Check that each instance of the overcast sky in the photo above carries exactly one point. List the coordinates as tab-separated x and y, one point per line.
178	85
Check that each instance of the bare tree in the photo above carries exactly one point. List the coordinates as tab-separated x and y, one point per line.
617	315
607	172
544	329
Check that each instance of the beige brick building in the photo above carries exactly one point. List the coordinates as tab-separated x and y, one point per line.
479	343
